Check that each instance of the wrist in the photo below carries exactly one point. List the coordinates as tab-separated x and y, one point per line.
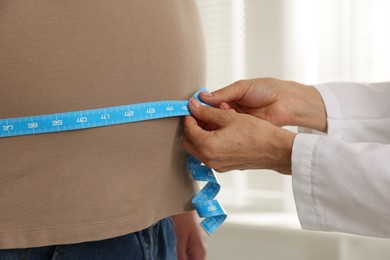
283	143
309	108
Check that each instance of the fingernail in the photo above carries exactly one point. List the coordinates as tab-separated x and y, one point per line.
224	106
195	102
207	94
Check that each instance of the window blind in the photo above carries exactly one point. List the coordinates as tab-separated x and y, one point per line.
310	41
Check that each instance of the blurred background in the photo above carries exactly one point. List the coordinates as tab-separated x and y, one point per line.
309	41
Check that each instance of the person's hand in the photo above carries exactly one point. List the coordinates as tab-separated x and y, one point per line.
190	237
237	141
279	102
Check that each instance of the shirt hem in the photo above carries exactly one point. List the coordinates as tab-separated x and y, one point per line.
77	233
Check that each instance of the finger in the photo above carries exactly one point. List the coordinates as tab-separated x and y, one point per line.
197	249
231	106
224	106
231	93
207	126
181	249
209	114
191	136
197	253
210	127
192	149
192	131
188	145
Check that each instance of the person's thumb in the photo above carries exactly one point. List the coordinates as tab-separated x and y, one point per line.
231	93
209	114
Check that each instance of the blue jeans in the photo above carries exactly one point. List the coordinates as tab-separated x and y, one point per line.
157	242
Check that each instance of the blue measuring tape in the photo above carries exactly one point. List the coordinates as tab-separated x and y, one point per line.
204	202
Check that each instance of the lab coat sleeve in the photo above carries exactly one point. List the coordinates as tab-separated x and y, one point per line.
341	182
357	112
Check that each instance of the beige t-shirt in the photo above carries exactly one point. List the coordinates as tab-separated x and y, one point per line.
58	56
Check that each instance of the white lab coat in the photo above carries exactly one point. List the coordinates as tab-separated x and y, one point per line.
341	181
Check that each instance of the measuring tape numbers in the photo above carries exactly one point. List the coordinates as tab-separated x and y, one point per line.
92	118
204	202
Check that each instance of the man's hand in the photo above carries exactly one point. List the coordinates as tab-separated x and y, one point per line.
237	141
190	239
277	101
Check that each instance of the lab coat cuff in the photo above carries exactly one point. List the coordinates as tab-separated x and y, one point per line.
335	120
303	157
